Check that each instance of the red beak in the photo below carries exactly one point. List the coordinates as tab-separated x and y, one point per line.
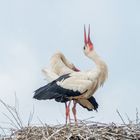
87	40
85	37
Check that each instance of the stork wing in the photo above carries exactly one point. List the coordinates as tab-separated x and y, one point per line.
60	65
75	84
62	88
54	91
89	103
50	76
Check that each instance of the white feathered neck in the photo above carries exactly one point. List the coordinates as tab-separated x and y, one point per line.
101	67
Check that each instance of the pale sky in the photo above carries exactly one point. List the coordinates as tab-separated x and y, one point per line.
31	31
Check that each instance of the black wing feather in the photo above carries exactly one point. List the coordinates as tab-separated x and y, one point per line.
54	91
93	101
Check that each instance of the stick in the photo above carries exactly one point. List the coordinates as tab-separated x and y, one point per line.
121	117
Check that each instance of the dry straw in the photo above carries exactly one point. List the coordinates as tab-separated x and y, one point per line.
86	130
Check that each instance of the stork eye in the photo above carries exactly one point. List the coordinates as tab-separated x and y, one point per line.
84	48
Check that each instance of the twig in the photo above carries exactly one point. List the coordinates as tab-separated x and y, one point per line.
120	135
12	114
54	133
120	117
12	122
16	110
128	118
137	116
40	121
3	130
31	117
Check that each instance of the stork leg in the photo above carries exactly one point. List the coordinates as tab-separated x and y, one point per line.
67	106
74	112
69	112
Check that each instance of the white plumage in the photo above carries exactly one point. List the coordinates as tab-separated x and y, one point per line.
59	66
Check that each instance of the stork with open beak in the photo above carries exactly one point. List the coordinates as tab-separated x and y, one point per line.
60	66
78	86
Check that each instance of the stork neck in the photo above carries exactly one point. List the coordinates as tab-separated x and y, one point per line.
101	66
96	58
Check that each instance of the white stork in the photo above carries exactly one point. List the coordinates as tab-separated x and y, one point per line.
60	66
79	86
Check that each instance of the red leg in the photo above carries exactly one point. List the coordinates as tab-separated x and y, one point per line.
67	112
66	108
74	111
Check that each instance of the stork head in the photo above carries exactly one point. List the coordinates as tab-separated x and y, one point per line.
88	47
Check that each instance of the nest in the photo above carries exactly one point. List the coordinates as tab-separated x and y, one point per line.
84	131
